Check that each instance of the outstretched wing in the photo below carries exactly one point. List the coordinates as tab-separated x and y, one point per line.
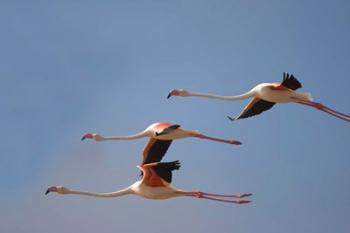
290	82
255	107
155	150
164	170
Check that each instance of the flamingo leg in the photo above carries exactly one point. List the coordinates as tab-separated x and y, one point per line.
213	197
234	142
330	111
339	113
325	109
241	195
240	201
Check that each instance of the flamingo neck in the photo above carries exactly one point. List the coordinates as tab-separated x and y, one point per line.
122	192
236	97
128	137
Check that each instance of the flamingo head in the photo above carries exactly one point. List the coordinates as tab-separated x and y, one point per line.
57	189
178	92
93	136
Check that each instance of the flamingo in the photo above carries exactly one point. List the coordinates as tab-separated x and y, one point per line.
163	131
156	180
265	95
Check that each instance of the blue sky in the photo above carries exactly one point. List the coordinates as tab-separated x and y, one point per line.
68	68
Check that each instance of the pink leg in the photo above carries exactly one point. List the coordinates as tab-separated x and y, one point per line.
241	195
339	113
325	109
209	196
240	201
219	139
330	111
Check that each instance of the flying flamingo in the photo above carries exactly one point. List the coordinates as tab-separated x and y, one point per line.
155	183
265	95
163	131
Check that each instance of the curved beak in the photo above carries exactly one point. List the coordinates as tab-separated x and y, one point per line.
47	191
175	92
88	135
51	189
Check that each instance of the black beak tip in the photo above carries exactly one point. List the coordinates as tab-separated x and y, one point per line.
47	191
169	95
83	138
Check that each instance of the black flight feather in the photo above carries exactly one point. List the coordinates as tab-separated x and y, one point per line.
157	151
290	82
168	130
164	170
259	107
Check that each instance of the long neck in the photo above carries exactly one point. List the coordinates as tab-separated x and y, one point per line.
122	192
237	97
128	137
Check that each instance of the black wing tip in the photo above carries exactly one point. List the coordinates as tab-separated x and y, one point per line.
290	81
239	117
164	170
168	130
177	164
174	165
232	119
175	126
287	76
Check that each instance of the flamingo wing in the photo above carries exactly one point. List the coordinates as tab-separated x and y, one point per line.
290	82
159	174
164	170
155	150
255	107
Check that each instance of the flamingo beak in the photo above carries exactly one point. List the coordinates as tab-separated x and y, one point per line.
51	189
235	142
88	135
173	92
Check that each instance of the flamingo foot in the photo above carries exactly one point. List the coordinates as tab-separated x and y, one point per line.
244	195
243	201
232	142
325	109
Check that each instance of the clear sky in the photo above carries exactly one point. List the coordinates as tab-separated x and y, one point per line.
71	67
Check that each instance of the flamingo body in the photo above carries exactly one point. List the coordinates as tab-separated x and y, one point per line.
156	180
155	193
265	95
161	131
169	131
